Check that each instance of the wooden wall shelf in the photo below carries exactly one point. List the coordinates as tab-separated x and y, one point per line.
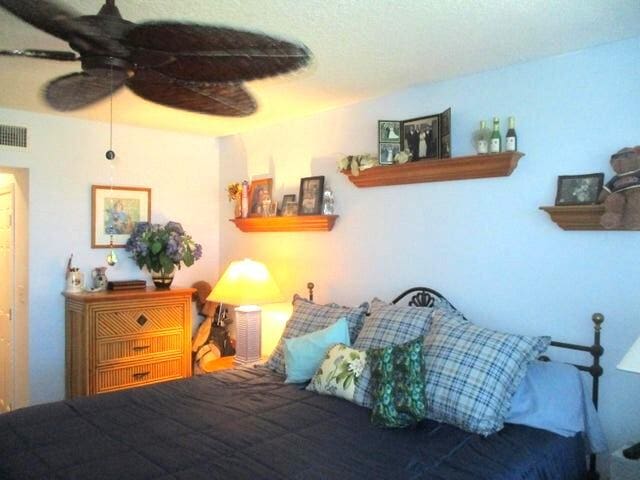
576	217
457	168
300	223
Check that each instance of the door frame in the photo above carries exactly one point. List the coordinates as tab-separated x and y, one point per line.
20	178
9	188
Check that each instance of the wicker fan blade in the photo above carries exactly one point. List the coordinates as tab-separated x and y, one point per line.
46	15
46	54
78	90
225	99
217	54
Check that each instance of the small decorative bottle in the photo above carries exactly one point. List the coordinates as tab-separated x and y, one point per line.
511	140
327	202
495	143
245	199
482	139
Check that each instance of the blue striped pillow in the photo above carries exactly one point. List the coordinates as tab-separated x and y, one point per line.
472	372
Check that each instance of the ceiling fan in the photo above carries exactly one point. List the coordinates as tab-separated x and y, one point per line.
182	65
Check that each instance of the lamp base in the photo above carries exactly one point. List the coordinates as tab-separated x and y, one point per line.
633	452
248	334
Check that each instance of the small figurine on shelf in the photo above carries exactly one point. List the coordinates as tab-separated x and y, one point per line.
327	202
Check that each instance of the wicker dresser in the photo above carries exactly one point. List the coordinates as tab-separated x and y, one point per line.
118	340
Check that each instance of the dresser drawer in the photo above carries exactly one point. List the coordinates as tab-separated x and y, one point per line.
110	351
112	323
133	375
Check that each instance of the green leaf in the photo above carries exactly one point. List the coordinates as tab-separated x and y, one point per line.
156	247
188	258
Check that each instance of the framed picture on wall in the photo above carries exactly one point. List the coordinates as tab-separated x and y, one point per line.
260	197
579	189
389	137
421	136
310	198
445	134
114	213
386	152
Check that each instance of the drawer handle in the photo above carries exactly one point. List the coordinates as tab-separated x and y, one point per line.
142	347
138	376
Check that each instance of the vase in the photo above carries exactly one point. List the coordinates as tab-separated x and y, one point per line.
237	212
161	279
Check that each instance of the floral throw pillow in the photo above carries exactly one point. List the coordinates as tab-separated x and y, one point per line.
398	380
339	373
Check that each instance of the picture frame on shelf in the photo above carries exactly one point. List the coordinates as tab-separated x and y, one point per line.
114	213
287	199
290	209
260	196
389	131
310	197
445	134
579	189
387	152
421	136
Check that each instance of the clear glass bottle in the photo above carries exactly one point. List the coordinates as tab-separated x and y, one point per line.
482	139
495	142
511	140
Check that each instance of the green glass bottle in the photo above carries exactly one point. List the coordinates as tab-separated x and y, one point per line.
495	142
511	140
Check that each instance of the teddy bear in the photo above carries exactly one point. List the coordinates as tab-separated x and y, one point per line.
621	195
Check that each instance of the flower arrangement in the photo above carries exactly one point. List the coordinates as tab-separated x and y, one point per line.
234	191
162	247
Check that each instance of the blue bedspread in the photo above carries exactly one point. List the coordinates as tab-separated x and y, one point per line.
247	424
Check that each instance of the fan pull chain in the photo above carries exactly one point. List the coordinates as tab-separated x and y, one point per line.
112	258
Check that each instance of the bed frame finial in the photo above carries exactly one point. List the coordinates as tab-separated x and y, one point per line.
310	286
597	319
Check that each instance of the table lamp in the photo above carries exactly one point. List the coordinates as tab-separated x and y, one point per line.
246	284
631	363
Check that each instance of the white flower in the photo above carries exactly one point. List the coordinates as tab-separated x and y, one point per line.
356	366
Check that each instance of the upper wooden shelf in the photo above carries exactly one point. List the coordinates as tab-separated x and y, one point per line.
299	223
576	217
457	168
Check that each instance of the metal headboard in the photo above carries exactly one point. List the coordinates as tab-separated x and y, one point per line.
427	297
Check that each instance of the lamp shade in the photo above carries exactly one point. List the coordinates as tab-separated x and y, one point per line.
245	282
631	361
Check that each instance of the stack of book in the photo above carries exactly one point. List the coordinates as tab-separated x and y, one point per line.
126	285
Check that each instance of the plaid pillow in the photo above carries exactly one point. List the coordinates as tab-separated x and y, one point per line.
387	325
473	372
308	317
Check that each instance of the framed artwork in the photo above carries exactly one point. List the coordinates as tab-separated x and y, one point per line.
260	197
445	134
386	152
310	198
579	189
114	213
389	138
388	131
286	199
421	136
290	209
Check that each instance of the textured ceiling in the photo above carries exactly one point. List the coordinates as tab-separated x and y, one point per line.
362	49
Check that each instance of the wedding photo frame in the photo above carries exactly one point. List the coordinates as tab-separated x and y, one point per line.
389	140
421	136
114	213
579	189
310	198
260	197
445	134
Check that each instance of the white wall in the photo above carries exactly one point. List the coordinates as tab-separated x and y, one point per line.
65	157
483	243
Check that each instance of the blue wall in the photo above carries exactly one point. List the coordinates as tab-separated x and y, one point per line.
484	243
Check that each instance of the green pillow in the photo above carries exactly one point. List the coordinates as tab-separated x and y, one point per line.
398	378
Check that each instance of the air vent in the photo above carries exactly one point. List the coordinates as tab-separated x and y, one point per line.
13	136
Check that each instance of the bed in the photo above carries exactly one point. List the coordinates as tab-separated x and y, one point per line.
247	424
